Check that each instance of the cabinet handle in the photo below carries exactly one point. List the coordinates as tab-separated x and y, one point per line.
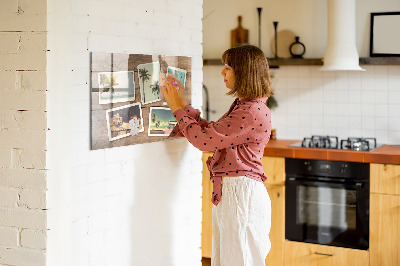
324	254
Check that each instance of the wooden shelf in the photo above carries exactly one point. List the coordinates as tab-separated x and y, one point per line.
380	61
294	62
273	63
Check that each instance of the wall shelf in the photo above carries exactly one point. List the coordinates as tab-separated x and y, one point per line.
380	61
274	63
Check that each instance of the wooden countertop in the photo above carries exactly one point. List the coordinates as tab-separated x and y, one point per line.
389	154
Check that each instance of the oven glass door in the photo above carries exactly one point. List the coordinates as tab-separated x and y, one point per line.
326	213
327	207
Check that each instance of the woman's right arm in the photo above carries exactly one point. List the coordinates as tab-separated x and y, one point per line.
190	111
195	114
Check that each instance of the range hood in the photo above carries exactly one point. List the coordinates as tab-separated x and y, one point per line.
341	51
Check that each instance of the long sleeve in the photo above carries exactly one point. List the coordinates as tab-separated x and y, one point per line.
193	113
231	130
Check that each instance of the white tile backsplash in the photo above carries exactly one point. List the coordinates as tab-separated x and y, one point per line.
343	103
381	96
394	97
351	103
381	83
394	110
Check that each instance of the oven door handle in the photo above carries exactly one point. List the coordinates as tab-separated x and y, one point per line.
357	185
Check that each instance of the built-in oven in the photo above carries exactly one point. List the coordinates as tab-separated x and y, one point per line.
327	202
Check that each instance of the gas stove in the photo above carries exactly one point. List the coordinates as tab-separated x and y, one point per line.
332	142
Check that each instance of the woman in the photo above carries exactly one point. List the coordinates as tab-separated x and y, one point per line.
242	208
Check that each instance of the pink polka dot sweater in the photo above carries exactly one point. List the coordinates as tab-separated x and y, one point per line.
238	139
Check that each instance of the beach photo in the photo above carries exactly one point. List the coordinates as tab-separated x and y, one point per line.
149	82
115	87
161	121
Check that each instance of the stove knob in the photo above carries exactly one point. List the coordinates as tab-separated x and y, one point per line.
308	166
343	168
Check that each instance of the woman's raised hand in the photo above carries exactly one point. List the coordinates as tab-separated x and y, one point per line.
181	90
174	94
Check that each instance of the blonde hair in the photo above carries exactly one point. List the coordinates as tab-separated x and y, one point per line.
250	66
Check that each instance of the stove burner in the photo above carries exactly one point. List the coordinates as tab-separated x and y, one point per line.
358	144
332	142
328	142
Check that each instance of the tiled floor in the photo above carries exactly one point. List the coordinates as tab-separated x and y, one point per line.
206	261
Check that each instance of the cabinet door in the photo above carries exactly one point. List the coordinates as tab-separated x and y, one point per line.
274	168
384	230
277	233
385	178
206	225
304	254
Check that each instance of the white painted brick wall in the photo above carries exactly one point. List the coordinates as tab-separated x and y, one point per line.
124	205
9	237
22	256
23	128
34	239
23	178
8	197
33	198
23	218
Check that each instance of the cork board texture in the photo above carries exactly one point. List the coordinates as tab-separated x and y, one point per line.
127	105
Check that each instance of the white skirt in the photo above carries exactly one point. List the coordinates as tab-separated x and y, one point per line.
241	223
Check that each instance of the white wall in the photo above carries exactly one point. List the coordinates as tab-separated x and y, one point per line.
311	102
23	133
134	205
306	19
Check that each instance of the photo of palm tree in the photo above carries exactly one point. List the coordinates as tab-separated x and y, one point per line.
149	79
161	121
115	87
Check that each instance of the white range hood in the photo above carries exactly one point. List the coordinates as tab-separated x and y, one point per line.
341	51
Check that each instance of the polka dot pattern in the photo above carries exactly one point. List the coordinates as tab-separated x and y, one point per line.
238	139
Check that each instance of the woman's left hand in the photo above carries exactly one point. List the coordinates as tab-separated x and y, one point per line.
171	95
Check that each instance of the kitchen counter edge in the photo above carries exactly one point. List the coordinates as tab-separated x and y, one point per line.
386	154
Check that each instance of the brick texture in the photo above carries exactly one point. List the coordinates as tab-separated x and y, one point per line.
23	125
33	239
9	237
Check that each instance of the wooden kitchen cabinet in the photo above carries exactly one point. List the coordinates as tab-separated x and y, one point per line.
277	233
206	225
305	254
385	178
384	236
274	168
385	215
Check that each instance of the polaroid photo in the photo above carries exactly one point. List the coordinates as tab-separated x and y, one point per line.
124	121
161	121
179	74
115	87
149	82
